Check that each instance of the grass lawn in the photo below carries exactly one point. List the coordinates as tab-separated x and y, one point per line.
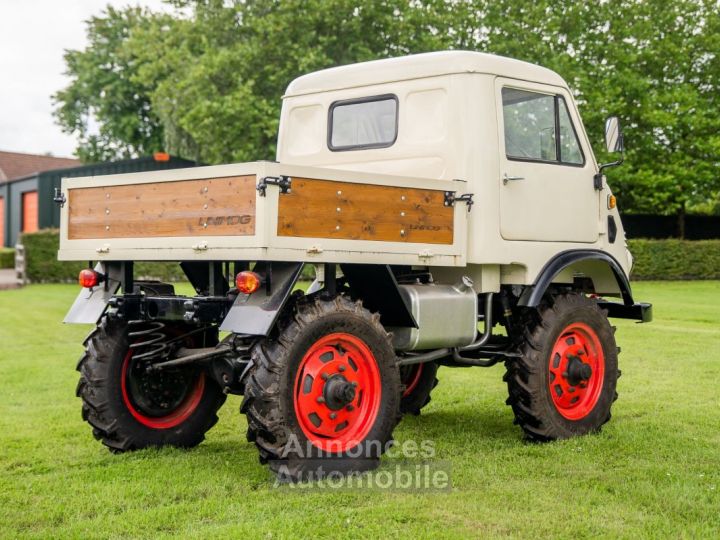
653	471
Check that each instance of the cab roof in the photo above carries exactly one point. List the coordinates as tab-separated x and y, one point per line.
420	66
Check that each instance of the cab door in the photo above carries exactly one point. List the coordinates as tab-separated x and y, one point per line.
546	167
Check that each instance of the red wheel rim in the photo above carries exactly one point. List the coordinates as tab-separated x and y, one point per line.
411	379
577	371
174	418
337	392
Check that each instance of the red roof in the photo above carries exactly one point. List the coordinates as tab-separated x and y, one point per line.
16	165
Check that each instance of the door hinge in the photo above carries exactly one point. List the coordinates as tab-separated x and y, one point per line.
283	182
451	199
598	181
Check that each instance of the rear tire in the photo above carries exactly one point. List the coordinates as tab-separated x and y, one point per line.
128	411
324	395
564	383
418	381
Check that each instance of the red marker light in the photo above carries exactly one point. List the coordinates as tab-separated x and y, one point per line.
247	282
88	278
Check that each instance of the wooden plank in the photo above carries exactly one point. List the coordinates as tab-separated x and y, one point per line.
207	207
349	211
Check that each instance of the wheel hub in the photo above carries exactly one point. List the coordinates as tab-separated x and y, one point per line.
338	392
159	400
156	394
576	371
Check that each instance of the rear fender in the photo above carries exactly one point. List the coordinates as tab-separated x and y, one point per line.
256	314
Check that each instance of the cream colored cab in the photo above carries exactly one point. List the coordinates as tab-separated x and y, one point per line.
509	130
503	132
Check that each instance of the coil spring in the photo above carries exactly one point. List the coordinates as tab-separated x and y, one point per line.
153	342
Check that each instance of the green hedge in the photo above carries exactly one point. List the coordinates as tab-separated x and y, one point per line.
675	259
42	265
7	257
654	259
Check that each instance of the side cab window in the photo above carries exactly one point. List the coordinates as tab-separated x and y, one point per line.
538	128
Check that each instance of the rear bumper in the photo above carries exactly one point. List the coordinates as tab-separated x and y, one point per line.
639	311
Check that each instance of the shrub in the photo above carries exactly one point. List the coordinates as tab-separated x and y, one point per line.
42	266
7	257
654	259
675	259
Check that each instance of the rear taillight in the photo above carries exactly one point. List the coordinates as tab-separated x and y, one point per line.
248	282
89	278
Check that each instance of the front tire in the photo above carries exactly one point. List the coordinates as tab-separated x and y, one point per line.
323	396
563	384
129	409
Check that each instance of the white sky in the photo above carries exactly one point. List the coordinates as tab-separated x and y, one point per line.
33	37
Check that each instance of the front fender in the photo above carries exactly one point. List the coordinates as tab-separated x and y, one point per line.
532	296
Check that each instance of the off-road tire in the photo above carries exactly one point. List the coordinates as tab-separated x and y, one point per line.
269	402
417	386
104	408
529	376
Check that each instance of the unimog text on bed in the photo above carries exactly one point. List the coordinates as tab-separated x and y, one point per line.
454	215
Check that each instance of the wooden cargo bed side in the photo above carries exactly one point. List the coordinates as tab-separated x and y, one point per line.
241	212
186	208
355	211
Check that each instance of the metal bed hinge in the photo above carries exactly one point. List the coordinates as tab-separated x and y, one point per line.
451	199
59	197
283	182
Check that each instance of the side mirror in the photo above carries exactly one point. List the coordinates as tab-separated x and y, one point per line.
613	135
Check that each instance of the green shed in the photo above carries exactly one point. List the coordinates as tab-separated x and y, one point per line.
28	202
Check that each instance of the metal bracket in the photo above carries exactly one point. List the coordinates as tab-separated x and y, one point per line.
451	199
59	197
283	182
598	181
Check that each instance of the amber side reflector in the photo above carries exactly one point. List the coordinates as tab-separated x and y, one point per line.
247	282
612	202
161	156
88	278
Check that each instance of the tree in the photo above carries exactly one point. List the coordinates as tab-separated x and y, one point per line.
205	82
225	68
105	93
654	63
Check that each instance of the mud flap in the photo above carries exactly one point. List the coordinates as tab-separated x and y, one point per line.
90	304
255	314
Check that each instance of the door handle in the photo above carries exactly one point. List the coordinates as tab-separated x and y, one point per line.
507	178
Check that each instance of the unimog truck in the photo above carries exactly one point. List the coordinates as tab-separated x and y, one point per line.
453	213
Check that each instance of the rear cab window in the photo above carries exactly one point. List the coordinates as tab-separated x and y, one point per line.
359	124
